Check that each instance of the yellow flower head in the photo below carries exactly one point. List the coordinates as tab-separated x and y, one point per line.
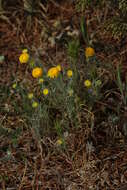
37	72
70	92
69	73
45	91
14	85
59	142
89	52
53	72
87	83
30	96
35	104
25	51
41	80
24	58
98	83
58	67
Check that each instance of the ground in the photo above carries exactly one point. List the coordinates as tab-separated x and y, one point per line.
87	163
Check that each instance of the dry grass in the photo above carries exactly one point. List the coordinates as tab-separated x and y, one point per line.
91	160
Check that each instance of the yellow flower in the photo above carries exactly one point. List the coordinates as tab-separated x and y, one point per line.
70	92
37	72
58	67
30	95
14	85
89	52
45	91
53	72
59	142
35	104
69	73
87	83
41	80
25	51
98	83
24	58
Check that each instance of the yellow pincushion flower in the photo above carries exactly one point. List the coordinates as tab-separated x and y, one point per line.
25	51
35	104
24	58
70	92
69	73
98	83
30	96
87	83
41	80
58	67
45	91
37	72
14	85
59	142
89	52
53	72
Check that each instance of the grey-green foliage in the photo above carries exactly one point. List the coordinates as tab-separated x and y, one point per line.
122	86
73	49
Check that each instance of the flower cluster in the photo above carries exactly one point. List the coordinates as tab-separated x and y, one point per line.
43	77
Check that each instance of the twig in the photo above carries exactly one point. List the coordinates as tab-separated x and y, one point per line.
24	173
59	6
